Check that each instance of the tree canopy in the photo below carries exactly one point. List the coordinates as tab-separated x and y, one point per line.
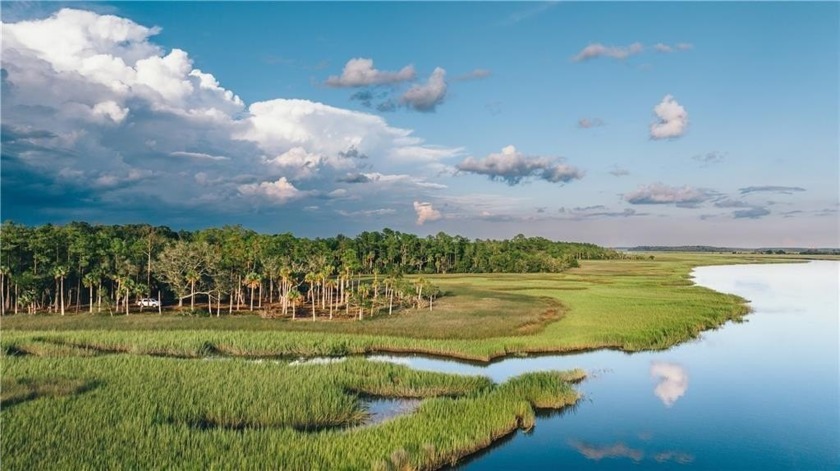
40	265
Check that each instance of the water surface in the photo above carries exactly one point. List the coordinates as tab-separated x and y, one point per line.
762	394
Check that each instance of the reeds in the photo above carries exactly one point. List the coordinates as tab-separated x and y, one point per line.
193	414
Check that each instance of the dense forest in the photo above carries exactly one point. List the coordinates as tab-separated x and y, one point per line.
101	268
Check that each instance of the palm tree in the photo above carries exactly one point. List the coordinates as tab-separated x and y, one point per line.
27	298
364	298
60	273
89	281
390	288
271	267
419	284
252	280
285	274
4	296
328	285
311	278
128	287
294	297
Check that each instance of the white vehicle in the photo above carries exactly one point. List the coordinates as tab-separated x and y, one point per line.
148	302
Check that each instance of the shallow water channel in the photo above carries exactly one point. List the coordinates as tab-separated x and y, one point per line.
762	394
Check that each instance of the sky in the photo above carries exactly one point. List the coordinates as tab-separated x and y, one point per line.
615	123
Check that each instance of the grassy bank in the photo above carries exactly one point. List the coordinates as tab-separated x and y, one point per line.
127	411
622	304
103	392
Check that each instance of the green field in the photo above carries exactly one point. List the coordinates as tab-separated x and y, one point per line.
94	391
623	304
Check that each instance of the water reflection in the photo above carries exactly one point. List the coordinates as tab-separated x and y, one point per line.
622	450
675	456
673	381
741	387
616	450
380	409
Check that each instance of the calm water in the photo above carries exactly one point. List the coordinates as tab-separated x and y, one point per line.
758	395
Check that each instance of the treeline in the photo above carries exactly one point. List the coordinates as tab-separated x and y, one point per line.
99	267
736	250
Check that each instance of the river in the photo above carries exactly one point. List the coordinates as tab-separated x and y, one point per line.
762	394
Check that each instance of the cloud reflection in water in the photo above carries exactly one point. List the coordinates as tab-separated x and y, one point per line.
673	381
616	450
622	450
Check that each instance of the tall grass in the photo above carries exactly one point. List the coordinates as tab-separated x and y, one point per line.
190	414
623	304
87	392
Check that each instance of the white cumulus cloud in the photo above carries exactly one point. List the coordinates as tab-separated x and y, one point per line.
428	96
426	213
671	119
359	72
280	191
113	108
110	110
658	193
512	166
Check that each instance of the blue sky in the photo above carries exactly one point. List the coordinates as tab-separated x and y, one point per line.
616	123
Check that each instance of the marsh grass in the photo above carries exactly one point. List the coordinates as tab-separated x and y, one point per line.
190	414
629	305
93	392
17	390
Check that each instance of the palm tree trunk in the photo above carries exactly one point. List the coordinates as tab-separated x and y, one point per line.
91	298
62	295
79	291
238	285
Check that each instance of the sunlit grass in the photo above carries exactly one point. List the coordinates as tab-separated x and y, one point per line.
156	413
623	304
90	392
